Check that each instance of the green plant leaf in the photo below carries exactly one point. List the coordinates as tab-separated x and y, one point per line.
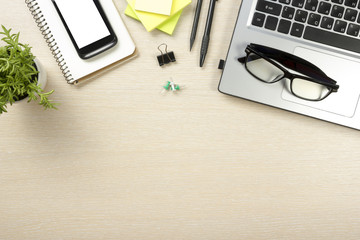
18	76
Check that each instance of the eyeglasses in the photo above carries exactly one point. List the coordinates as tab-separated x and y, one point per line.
268	65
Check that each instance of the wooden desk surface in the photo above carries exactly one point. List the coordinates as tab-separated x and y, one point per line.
118	160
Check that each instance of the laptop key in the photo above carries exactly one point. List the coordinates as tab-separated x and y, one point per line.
298	3
297	29
314	19
337	11
351	3
258	19
337	1
271	22
311	5
350	14
288	12
353	29
332	39
285	1
340	26
327	23
324	8
301	15
268	7
284	26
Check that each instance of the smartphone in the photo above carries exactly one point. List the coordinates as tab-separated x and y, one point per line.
87	25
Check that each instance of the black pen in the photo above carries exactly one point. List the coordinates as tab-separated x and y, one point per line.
206	37
195	24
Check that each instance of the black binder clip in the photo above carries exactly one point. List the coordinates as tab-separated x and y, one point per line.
166	57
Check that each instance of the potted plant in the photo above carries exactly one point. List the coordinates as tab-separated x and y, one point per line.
21	75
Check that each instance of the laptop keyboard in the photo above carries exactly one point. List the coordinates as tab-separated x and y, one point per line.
331	22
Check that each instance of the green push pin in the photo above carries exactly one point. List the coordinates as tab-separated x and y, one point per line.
174	87
171	85
167	86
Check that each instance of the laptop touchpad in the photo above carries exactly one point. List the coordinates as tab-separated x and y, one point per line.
344	71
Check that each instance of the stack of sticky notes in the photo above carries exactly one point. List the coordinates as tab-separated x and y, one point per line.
159	14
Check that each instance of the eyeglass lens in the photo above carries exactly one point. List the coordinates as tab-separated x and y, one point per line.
270	73
309	90
263	69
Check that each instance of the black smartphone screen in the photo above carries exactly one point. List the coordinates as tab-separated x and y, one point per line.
87	26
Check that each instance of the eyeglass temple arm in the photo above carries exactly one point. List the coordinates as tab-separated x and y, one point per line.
302	66
284	61
283	56
292	62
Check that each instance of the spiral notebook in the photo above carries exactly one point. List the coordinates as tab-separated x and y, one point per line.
72	66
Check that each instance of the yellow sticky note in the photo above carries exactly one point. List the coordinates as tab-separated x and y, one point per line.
154	6
168	26
153	20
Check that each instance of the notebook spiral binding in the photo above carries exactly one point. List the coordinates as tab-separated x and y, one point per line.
50	40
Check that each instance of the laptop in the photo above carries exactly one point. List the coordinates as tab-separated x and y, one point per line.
325	33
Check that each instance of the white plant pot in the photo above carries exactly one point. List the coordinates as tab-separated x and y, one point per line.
42	77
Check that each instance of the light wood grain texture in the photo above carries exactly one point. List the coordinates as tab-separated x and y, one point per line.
118	160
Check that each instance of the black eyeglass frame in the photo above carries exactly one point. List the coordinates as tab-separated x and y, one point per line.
312	73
